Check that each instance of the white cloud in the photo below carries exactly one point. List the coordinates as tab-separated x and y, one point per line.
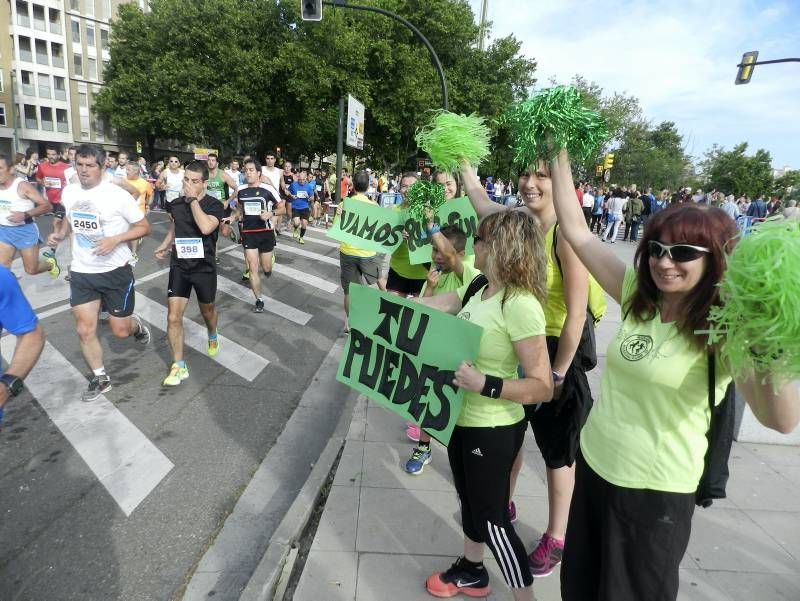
679	58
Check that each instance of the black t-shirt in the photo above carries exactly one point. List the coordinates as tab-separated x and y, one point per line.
187	232
253	200
287	179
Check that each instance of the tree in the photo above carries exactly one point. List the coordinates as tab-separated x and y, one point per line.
733	172
651	156
787	186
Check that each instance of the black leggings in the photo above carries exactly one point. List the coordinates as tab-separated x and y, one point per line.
481	460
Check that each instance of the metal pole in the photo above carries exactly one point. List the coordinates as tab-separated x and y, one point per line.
772	62
339	152
434	57
484	12
14	140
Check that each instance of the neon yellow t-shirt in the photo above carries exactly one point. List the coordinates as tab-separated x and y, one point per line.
450	282
401	263
353	251
648	429
555	305
520	318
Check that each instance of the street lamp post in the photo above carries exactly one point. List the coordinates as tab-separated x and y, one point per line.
749	62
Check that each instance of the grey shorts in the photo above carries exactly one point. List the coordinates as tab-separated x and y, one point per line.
354	268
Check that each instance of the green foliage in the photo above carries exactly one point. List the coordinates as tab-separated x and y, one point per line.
733	172
250	75
651	157
787	186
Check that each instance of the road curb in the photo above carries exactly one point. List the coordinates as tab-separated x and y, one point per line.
261	586
294	468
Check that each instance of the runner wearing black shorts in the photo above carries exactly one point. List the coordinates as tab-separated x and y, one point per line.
193	237
256	208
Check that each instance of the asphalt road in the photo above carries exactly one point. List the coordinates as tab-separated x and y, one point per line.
64	534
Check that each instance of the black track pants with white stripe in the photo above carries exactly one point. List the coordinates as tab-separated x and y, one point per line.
481	460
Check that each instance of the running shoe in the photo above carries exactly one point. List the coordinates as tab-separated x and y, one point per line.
512	512
143	334
295	233
55	270
98	385
274	256
459	579
246	275
546	556
418	460
213	347
232	236
104	316
259	308
50	253
177	374
301	241
412	431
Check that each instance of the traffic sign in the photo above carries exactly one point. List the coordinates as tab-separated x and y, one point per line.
607	176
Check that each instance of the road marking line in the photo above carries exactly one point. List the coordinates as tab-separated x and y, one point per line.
295	274
41	290
308	254
232	356
312	239
270	304
125	461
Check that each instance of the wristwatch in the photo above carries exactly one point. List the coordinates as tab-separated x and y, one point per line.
13	383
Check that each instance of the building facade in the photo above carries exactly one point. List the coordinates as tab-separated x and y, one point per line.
51	68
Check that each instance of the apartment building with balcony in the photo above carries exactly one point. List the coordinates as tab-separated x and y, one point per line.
51	68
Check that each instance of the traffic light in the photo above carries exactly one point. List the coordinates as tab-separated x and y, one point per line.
746	67
311	10
608	161
598	170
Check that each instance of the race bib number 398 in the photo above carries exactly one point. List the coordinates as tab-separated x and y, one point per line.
189	248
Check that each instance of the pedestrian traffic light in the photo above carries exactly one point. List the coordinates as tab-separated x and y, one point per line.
608	161
311	10
746	67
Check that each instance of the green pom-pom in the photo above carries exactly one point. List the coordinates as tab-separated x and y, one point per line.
552	120
450	138
421	195
758	323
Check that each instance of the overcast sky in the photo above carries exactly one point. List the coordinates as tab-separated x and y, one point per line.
678	57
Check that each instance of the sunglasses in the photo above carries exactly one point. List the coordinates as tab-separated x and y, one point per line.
680	253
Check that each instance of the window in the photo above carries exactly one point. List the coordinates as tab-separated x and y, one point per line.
27	84
57	52
90	35
75	5
41	53
89	7
104	39
31	121
23	20
77	63
84	127
47	118
2	84
44	86
92	71
83	99
106	13
59	88
55	21
62	124
25	53
38	18
99	130
76	32
2	115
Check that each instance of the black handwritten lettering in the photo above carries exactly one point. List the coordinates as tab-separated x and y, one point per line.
390	311
356	347
367	230
386	383
406	342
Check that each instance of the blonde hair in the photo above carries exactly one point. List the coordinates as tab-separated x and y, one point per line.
516	257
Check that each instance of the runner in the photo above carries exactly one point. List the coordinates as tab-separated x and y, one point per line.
270	174
320	195
301	192
18	319
222	187
20	202
192	236
287	178
101	217
122	165
509	250
144	194
171	180
451	269
255	209
50	174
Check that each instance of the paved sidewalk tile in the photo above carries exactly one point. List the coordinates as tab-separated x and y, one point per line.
748	586
328	576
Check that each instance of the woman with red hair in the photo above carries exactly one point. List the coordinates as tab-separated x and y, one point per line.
643	446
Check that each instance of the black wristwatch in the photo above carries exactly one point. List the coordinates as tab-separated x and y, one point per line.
13	383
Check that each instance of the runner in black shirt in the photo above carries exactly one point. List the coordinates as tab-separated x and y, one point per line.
256	207
193	238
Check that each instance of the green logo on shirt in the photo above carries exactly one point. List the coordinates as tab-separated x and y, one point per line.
636	347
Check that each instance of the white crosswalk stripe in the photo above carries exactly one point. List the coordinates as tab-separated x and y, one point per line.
270	304
122	458
312	239
232	356
295	274
308	254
